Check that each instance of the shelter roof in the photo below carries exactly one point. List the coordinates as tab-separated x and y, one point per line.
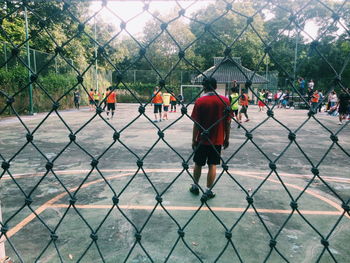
226	70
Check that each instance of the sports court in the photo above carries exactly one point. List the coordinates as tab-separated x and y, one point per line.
84	185
155	218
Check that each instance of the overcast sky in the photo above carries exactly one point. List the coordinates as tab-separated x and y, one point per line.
129	9
133	11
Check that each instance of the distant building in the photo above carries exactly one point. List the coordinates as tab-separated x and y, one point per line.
226	70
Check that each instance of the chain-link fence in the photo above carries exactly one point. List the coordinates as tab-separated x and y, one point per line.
75	35
52	70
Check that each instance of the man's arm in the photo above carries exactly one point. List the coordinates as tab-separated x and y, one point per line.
195	132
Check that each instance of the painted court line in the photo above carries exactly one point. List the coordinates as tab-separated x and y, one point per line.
193	208
51	202
42	208
233	172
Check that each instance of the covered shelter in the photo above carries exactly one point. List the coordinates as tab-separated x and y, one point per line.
226	70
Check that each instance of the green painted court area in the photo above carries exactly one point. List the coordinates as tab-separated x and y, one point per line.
249	220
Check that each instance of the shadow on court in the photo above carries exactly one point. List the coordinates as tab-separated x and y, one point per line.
118	199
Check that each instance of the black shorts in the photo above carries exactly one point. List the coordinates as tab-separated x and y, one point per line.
235	112
165	108
207	154
110	106
243	109
97	101
157	108
173	102
91	102
343	109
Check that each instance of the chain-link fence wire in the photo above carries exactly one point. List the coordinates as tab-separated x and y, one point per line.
295	18
178	77
38	59
50	67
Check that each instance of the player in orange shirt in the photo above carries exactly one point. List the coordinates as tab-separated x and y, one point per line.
91	99
111	99
173	102
315	97
243	101
157	101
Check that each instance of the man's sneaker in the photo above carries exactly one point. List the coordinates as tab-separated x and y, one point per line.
155	121
209	194
340	123
194	189
247	120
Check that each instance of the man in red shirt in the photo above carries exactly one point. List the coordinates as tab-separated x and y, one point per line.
211	131
111	99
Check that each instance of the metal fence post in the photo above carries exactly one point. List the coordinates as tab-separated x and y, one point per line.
96	70
34	60
267	70
295	60
28	58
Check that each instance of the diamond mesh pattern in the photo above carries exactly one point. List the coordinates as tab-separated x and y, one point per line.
79	29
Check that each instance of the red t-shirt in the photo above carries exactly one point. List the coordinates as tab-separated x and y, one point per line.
207	110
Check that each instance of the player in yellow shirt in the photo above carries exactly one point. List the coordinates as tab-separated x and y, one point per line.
234	101
166	102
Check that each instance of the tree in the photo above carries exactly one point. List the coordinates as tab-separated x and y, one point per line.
217	28
164	40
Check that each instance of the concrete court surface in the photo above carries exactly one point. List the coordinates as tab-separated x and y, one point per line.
204	233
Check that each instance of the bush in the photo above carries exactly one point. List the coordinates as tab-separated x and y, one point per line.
11	82
58	86
14	82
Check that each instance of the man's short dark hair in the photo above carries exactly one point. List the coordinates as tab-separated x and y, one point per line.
209	83
234	89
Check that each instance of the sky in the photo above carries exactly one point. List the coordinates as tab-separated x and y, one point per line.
129	9
133	11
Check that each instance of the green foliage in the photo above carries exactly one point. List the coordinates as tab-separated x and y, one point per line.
56	85
228	28
14	82
11	82
198	42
